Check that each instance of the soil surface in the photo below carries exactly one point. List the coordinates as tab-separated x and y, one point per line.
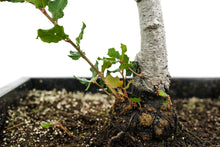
61	118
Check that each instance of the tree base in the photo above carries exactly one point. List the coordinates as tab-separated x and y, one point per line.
145	121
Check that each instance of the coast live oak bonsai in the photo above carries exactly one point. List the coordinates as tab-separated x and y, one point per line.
146	113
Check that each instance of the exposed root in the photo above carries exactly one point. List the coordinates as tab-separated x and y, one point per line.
200	140
132	116
115	137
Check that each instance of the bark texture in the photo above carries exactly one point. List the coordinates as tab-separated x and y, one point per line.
152	58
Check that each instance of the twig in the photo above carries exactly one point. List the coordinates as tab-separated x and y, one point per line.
139	75
123	77
103	89
64	129
15	126
170	102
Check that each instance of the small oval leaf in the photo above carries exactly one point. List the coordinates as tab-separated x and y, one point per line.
75	55
46	125
56	8
54	34
112	81
80	37
113	53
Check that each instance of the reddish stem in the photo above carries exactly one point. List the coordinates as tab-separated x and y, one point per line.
47	15
126	95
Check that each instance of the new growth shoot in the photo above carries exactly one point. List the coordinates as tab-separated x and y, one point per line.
163	94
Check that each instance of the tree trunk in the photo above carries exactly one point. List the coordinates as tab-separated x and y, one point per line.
150	119
152	58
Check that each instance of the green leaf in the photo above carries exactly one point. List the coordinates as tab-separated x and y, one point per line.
56	8
162	93
89	82
55	34
133	66
94	74
113	53
125	64
113	82
166	102
123	48
80	37
82	80
135	100
39	3
13	1
113	71
106	64
112	60
46	125
125	59
75	55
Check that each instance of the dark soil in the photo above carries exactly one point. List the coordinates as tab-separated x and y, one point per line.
79	119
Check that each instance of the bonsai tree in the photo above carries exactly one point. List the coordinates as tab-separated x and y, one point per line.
146	113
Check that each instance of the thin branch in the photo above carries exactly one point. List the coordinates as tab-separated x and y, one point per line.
123	77
139	75
81	53
103	89
47	15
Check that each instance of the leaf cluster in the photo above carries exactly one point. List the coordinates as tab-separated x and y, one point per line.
124	68
55	7
122	59
165	95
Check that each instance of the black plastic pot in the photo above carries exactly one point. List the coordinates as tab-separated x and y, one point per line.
180	88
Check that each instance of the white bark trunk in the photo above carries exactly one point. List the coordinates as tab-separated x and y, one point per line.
152	58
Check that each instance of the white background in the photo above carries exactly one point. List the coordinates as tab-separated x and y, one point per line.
192	31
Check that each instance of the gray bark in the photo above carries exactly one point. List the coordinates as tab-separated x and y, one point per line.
152	58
